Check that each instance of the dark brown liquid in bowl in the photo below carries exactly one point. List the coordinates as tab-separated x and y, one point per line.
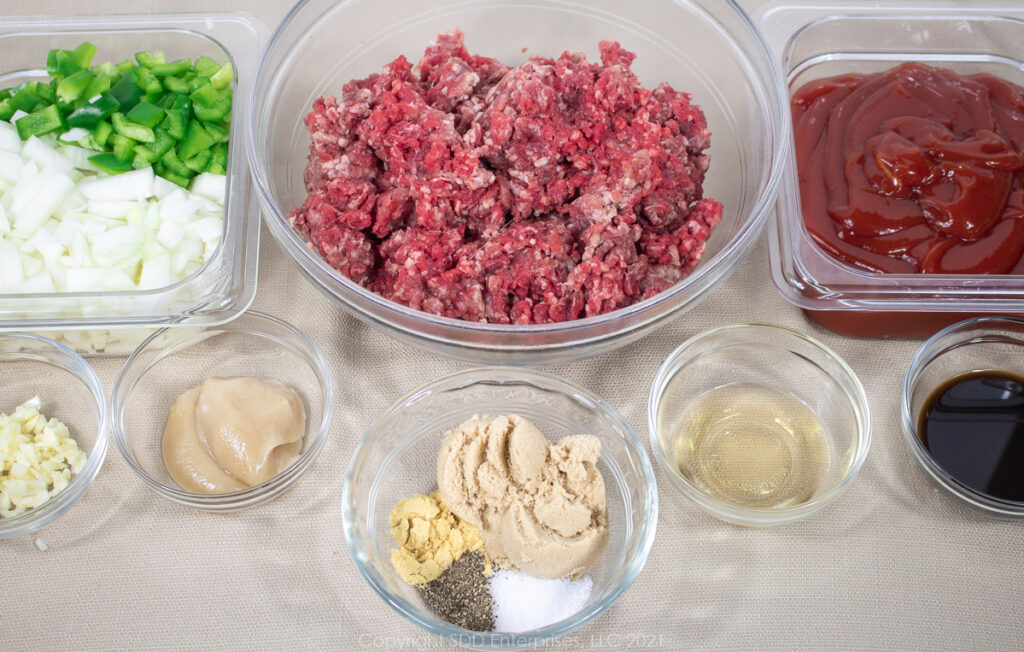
973	426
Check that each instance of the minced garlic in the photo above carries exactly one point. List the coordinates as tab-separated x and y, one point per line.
38	458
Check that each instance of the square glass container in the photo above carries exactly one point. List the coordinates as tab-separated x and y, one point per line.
224	287
815	40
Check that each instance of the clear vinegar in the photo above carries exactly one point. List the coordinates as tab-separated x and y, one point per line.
752	445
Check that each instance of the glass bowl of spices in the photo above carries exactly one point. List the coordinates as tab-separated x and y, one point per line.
963	412
758	424
53	431
500	507
226	417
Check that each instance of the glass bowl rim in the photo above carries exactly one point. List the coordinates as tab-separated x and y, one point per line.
644	535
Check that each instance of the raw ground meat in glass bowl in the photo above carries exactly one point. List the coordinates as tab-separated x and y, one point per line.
547	192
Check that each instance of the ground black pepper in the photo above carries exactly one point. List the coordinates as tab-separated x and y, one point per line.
460	595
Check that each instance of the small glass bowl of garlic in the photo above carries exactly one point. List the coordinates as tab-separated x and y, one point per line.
53	434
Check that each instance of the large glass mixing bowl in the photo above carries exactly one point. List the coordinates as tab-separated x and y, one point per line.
708	48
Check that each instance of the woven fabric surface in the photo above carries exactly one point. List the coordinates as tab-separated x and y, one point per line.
893	564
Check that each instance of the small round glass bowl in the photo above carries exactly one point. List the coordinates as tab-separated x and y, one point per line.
707	48
397	458
70	392
979	344
174	360
773	358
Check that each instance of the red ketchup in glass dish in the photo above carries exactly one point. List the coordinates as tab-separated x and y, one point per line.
914	170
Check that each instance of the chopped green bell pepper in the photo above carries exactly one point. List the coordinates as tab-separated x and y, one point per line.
150	59
200	162
101	133
39	122
88	115
73	87
196	140
174	164
179	67
222	78
126	92
133	130
124	147
109	163
146	115
83	54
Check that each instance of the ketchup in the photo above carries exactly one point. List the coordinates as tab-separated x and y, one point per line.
914	170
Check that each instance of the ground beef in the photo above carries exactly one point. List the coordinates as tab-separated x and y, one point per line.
547	192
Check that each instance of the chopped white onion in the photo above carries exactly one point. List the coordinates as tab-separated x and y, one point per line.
67	227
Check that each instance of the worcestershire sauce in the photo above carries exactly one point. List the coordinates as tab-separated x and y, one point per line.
973	425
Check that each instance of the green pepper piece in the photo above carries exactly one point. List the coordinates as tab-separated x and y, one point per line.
196	140
146	114
61	63
198	82
200	162
206	67
142	157
173	164
124	147
176	122
210	104
125	65
88	115
179	179
150	59
160	146
100	84
219	133
52	64
24	97
147	81
47	92
107	69
133	130
109	163
176	85
39	122
126	92
178	67
223	77
101	133
219	159
71	88
83	54
212	113
6	109
166	100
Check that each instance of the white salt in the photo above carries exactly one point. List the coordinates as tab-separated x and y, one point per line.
523	602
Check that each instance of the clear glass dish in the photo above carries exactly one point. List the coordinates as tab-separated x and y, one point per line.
69	391
705	47
813	40
763	355
979	344
397	458
115	322
173	360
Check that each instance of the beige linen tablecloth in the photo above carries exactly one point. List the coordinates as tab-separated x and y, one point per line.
893	564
